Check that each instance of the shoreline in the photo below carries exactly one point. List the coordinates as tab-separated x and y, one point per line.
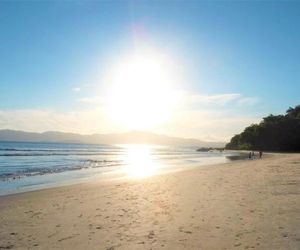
100	180
84	175
238	205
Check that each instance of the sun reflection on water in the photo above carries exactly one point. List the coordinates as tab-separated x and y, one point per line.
139	161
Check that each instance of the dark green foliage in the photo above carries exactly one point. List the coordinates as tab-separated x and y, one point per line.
273	133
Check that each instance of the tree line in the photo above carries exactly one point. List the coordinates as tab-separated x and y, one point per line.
273	133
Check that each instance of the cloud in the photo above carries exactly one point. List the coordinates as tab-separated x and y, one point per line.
248	101
35	120
213	117
203	124
92	100
76	89
185	123
221	99
190	99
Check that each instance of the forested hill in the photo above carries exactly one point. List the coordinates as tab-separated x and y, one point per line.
273	133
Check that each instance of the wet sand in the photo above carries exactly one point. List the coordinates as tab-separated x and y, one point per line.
251	204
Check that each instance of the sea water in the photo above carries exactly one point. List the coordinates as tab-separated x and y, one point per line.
26	166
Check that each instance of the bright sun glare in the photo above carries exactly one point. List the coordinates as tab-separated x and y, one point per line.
140	95
139	161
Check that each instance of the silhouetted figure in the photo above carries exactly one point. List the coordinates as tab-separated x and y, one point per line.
250	155
260	154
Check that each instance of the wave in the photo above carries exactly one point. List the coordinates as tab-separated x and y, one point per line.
58	150
13	152
59	169
58	154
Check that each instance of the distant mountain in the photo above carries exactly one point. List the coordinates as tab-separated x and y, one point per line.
133	137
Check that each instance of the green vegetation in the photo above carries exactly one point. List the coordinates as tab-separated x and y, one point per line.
273	133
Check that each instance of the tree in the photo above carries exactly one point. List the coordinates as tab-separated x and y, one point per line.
273	133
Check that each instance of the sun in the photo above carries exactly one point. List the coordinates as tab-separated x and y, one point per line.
141	92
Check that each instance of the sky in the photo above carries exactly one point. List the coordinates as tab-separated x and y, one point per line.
227	63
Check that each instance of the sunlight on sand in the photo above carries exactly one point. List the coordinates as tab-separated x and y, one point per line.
140	162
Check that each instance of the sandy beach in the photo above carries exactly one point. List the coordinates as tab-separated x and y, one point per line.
251	204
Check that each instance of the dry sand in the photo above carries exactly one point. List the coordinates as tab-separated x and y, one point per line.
241	205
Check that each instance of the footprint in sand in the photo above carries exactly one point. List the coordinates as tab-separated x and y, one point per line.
155	222
7	247
151	234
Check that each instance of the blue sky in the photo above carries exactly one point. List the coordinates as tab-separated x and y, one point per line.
54	54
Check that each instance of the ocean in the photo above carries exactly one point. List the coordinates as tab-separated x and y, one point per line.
27	166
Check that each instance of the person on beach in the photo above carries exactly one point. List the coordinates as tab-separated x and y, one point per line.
260	154
250	155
